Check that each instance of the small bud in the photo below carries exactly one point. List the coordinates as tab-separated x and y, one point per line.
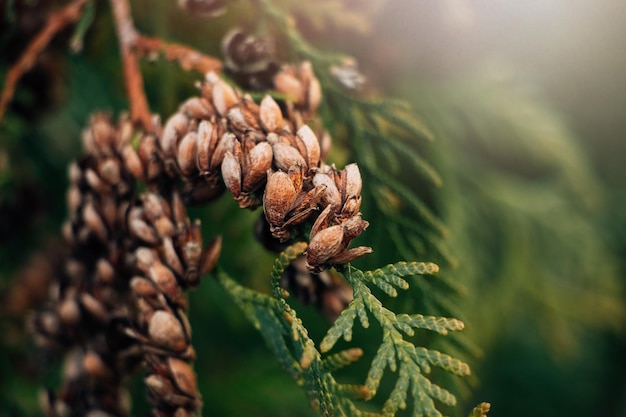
132	162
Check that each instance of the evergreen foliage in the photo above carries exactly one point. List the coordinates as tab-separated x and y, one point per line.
297	353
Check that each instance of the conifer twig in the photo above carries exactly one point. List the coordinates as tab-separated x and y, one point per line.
57	21
127	36
188	58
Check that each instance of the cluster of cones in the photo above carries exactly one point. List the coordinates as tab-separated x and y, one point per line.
119	300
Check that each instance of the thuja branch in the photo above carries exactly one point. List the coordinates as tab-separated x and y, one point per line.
188	58
127	36
57	21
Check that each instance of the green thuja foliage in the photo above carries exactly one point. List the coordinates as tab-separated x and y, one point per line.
313	367
526	212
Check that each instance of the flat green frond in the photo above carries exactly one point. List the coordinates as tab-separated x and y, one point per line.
342	359
397	398
341	328
446	362
384	356
435	391
440	325
282	262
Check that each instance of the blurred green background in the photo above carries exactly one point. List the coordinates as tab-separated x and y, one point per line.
526	101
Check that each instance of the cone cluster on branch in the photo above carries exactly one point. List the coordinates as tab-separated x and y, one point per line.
120	300
223	138
90	297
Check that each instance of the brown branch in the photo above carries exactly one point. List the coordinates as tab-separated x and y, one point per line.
188	58
127	36
57	21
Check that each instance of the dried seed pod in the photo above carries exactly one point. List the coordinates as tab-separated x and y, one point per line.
94	307
312	145
186	156
140	229
258	161
322	221
108	210
278	197
354	226
197	108
183	376
331	196
94	221
286	156
170	256
350	255
207	142
288	84
231	173
148	152
305	204
95	182
326	244
144	258
353	182
143	288
175	127
165	280
314	95
224	97
270	115
109	170
69	311
225	144
165	330
95	366
105	272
